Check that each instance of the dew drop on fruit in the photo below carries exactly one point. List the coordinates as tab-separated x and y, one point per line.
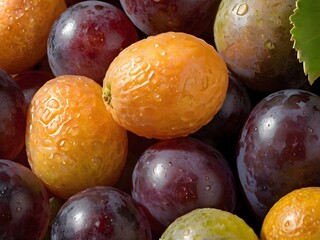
310	129
242	9
269	44
186	233
278	21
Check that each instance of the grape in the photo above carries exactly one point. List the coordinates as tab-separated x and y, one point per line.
136	146
12	118
226	125
87	37
101	212
253	38
24	204
279	148
154	17
31	81
113	2
173	177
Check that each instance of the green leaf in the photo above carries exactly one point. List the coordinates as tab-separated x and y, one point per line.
306	36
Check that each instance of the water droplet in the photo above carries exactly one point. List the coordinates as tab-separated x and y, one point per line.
208	187
310	129
156	45
62	145
18	209
96	161
186	232
206	178
137	59
255	129
163	53
242	9
170	163
287	224
270	45
277	21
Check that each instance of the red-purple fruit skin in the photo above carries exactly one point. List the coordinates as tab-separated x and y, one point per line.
279	148
154	17
173	177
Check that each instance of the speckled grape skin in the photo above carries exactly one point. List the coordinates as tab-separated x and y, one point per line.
72	142
87	37
24	204
176	176
101	213
209	223
24	29
278	150
295	216
13	108
253	37
165	86
154	17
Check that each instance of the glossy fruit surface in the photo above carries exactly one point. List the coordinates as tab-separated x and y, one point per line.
24	28
226	125
72	142
24	204
87	37
295	216
101	213
278	150
30	82
155	91
173	177
12	118
253	37
154	17
209	223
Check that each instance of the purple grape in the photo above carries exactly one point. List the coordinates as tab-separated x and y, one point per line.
24	204
12	118
173	177
87	37
30	81
154	17
279	148
225	127
101	212
113	2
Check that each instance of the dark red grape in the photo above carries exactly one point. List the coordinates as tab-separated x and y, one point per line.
12	118
136	146
87	37
101	213
158	16
226	125
113	2
279	148
173	177
24	204
31	81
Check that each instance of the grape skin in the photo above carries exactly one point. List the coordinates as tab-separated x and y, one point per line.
12	118
101	212
154	17
24	204
176	176
87	37
278	150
